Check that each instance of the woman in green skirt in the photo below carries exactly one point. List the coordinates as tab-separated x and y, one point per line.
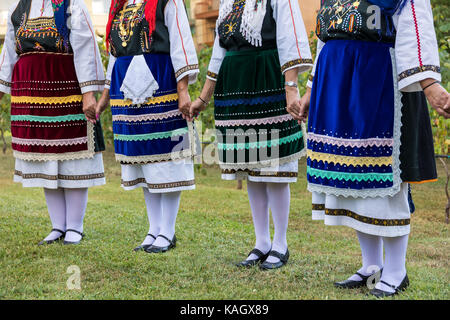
260	48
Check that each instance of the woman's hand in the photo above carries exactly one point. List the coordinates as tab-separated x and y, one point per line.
304	105
196	107
89	105
437	96
102	104
201	103
293	105
184	100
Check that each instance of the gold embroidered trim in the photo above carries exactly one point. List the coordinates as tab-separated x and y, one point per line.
294	63
354	161
212	75
107	82
59	176
46	100
318	207
368	220
5	83
311	78
185	69
413	71
155	100
275	174
92	83
43	52
158	185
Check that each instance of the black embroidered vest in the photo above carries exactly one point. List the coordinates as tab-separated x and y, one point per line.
231	38
130	32
353	20
38	34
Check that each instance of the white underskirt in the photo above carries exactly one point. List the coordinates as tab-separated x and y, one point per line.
160	177
81	173
382	208
271	174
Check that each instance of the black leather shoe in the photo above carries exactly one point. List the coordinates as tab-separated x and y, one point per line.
74	242
144	246
54	240
353	284
382	294
156	249
250	263
283	260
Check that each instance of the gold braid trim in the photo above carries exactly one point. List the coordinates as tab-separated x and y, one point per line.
296	62
46	100
368	220
155	100
354	161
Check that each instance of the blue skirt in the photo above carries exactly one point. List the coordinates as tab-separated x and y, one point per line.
154	131
354	121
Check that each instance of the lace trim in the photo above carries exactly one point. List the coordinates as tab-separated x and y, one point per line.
413	71
250	122
92	83
354	143
66	118
250	101
348	160
151	136
293	63
396	171
186	69
49	143
260	144
146	117
88	154
154	100
347	176
5	83
46	100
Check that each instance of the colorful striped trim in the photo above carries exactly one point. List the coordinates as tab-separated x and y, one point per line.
151	136
66	118
355	143
146	117
294	63
260	144
413	71
49	143
368	220
371	176
186	69
46	100
250	101
154	100
250	122
348	160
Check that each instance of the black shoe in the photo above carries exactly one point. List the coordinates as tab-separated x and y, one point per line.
250	263
353	284
144	246
156	249
74	242
54	240
283	260
382	294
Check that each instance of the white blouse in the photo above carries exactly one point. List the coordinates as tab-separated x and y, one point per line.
182	48
87	59
292	40
416	49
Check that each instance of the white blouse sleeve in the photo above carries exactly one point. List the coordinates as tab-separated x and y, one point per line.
182	48
416	49
8	57
87	59
292	40
218	54
320	45
111	63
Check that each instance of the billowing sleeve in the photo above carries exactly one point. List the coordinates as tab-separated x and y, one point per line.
320	45
416	49
182	48
111	63
292	40
87	59
218	54
8	57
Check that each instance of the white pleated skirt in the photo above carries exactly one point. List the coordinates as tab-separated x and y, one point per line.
72	174
382	216
159	177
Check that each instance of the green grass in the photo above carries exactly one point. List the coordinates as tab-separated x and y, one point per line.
214	229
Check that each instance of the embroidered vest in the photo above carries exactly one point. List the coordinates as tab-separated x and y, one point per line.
37	34
231	38
353	20
129	32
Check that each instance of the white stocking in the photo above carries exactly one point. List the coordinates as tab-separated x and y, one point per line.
170	205
372	254
56	205
76	203
154	213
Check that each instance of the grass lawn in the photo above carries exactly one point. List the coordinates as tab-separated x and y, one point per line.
214	229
